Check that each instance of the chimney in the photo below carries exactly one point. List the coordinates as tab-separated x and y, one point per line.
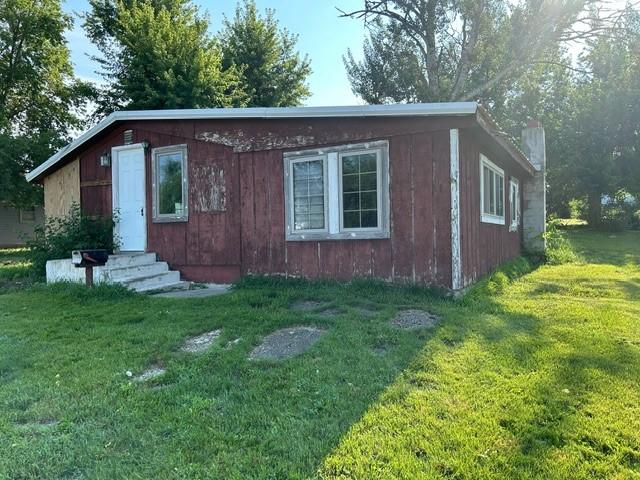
534	211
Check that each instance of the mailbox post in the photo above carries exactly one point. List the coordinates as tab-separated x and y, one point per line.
88	259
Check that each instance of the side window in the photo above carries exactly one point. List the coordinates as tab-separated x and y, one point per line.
514	204
491	192
170	187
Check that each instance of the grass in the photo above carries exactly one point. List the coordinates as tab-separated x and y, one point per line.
14	267
530	376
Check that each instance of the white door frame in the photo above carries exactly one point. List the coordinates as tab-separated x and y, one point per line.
115	184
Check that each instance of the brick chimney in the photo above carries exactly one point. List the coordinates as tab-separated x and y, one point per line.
534	211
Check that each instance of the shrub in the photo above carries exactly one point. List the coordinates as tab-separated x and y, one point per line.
619	213
635	220
60	235
558	250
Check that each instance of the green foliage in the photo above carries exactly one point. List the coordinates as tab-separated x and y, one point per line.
619	213
558	249
272	73
40	99
60	235
160	55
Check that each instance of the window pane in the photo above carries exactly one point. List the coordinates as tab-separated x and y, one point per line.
369	200
499	195
369	218
351	183
492	197
351	201
308	195
170	184
486	173
368	162
360	191
351	219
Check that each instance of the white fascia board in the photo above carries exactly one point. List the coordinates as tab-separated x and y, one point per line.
394	110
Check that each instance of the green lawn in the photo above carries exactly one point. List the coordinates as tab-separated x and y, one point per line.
538	377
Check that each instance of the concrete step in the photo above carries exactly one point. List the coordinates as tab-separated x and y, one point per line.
151	282
135	271
130	260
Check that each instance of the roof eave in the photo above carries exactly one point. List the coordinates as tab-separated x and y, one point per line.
396	110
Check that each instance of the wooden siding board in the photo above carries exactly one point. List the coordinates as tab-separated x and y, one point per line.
423	207
401	207
442	201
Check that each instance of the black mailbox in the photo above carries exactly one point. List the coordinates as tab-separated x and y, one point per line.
89	258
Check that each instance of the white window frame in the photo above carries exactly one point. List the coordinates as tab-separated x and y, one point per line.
291	204
334	220
379	186
168	218
487	217
514	204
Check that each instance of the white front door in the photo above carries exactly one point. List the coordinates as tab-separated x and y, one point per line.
128	183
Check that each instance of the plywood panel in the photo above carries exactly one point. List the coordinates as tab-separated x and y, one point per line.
61	190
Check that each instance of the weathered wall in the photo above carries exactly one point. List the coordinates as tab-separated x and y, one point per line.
62	189
236	200
484	246
14	229
419	249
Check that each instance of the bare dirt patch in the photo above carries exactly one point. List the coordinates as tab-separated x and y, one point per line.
153	371
200	343
286	343
329	313
414	320
307	305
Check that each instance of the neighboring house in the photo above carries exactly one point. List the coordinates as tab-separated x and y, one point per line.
16	225
425	193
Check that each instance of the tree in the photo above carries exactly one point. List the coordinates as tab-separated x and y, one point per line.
273	73
158	54
606	123
463	49
39	97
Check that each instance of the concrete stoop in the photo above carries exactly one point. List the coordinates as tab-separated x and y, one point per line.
138	271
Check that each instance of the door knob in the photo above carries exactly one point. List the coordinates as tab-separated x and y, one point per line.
142	212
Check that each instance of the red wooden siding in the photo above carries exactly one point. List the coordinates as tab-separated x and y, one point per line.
245	234
484	246
411	254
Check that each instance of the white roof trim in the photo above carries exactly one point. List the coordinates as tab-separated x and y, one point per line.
395	110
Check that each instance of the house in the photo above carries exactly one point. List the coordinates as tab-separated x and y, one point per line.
426	193
16	225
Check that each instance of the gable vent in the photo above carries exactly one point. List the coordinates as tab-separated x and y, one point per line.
128	137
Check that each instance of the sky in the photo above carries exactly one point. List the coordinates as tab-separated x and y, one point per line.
322	35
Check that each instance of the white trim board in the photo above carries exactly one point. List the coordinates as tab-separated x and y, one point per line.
456	254
395	110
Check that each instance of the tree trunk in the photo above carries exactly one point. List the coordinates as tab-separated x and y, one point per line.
595	209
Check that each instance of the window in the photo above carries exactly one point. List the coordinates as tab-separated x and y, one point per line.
309	194
359	182
338	193
170	199
491	192
514	204
28	215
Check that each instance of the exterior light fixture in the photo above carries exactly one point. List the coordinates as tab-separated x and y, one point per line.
105	159
145	144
